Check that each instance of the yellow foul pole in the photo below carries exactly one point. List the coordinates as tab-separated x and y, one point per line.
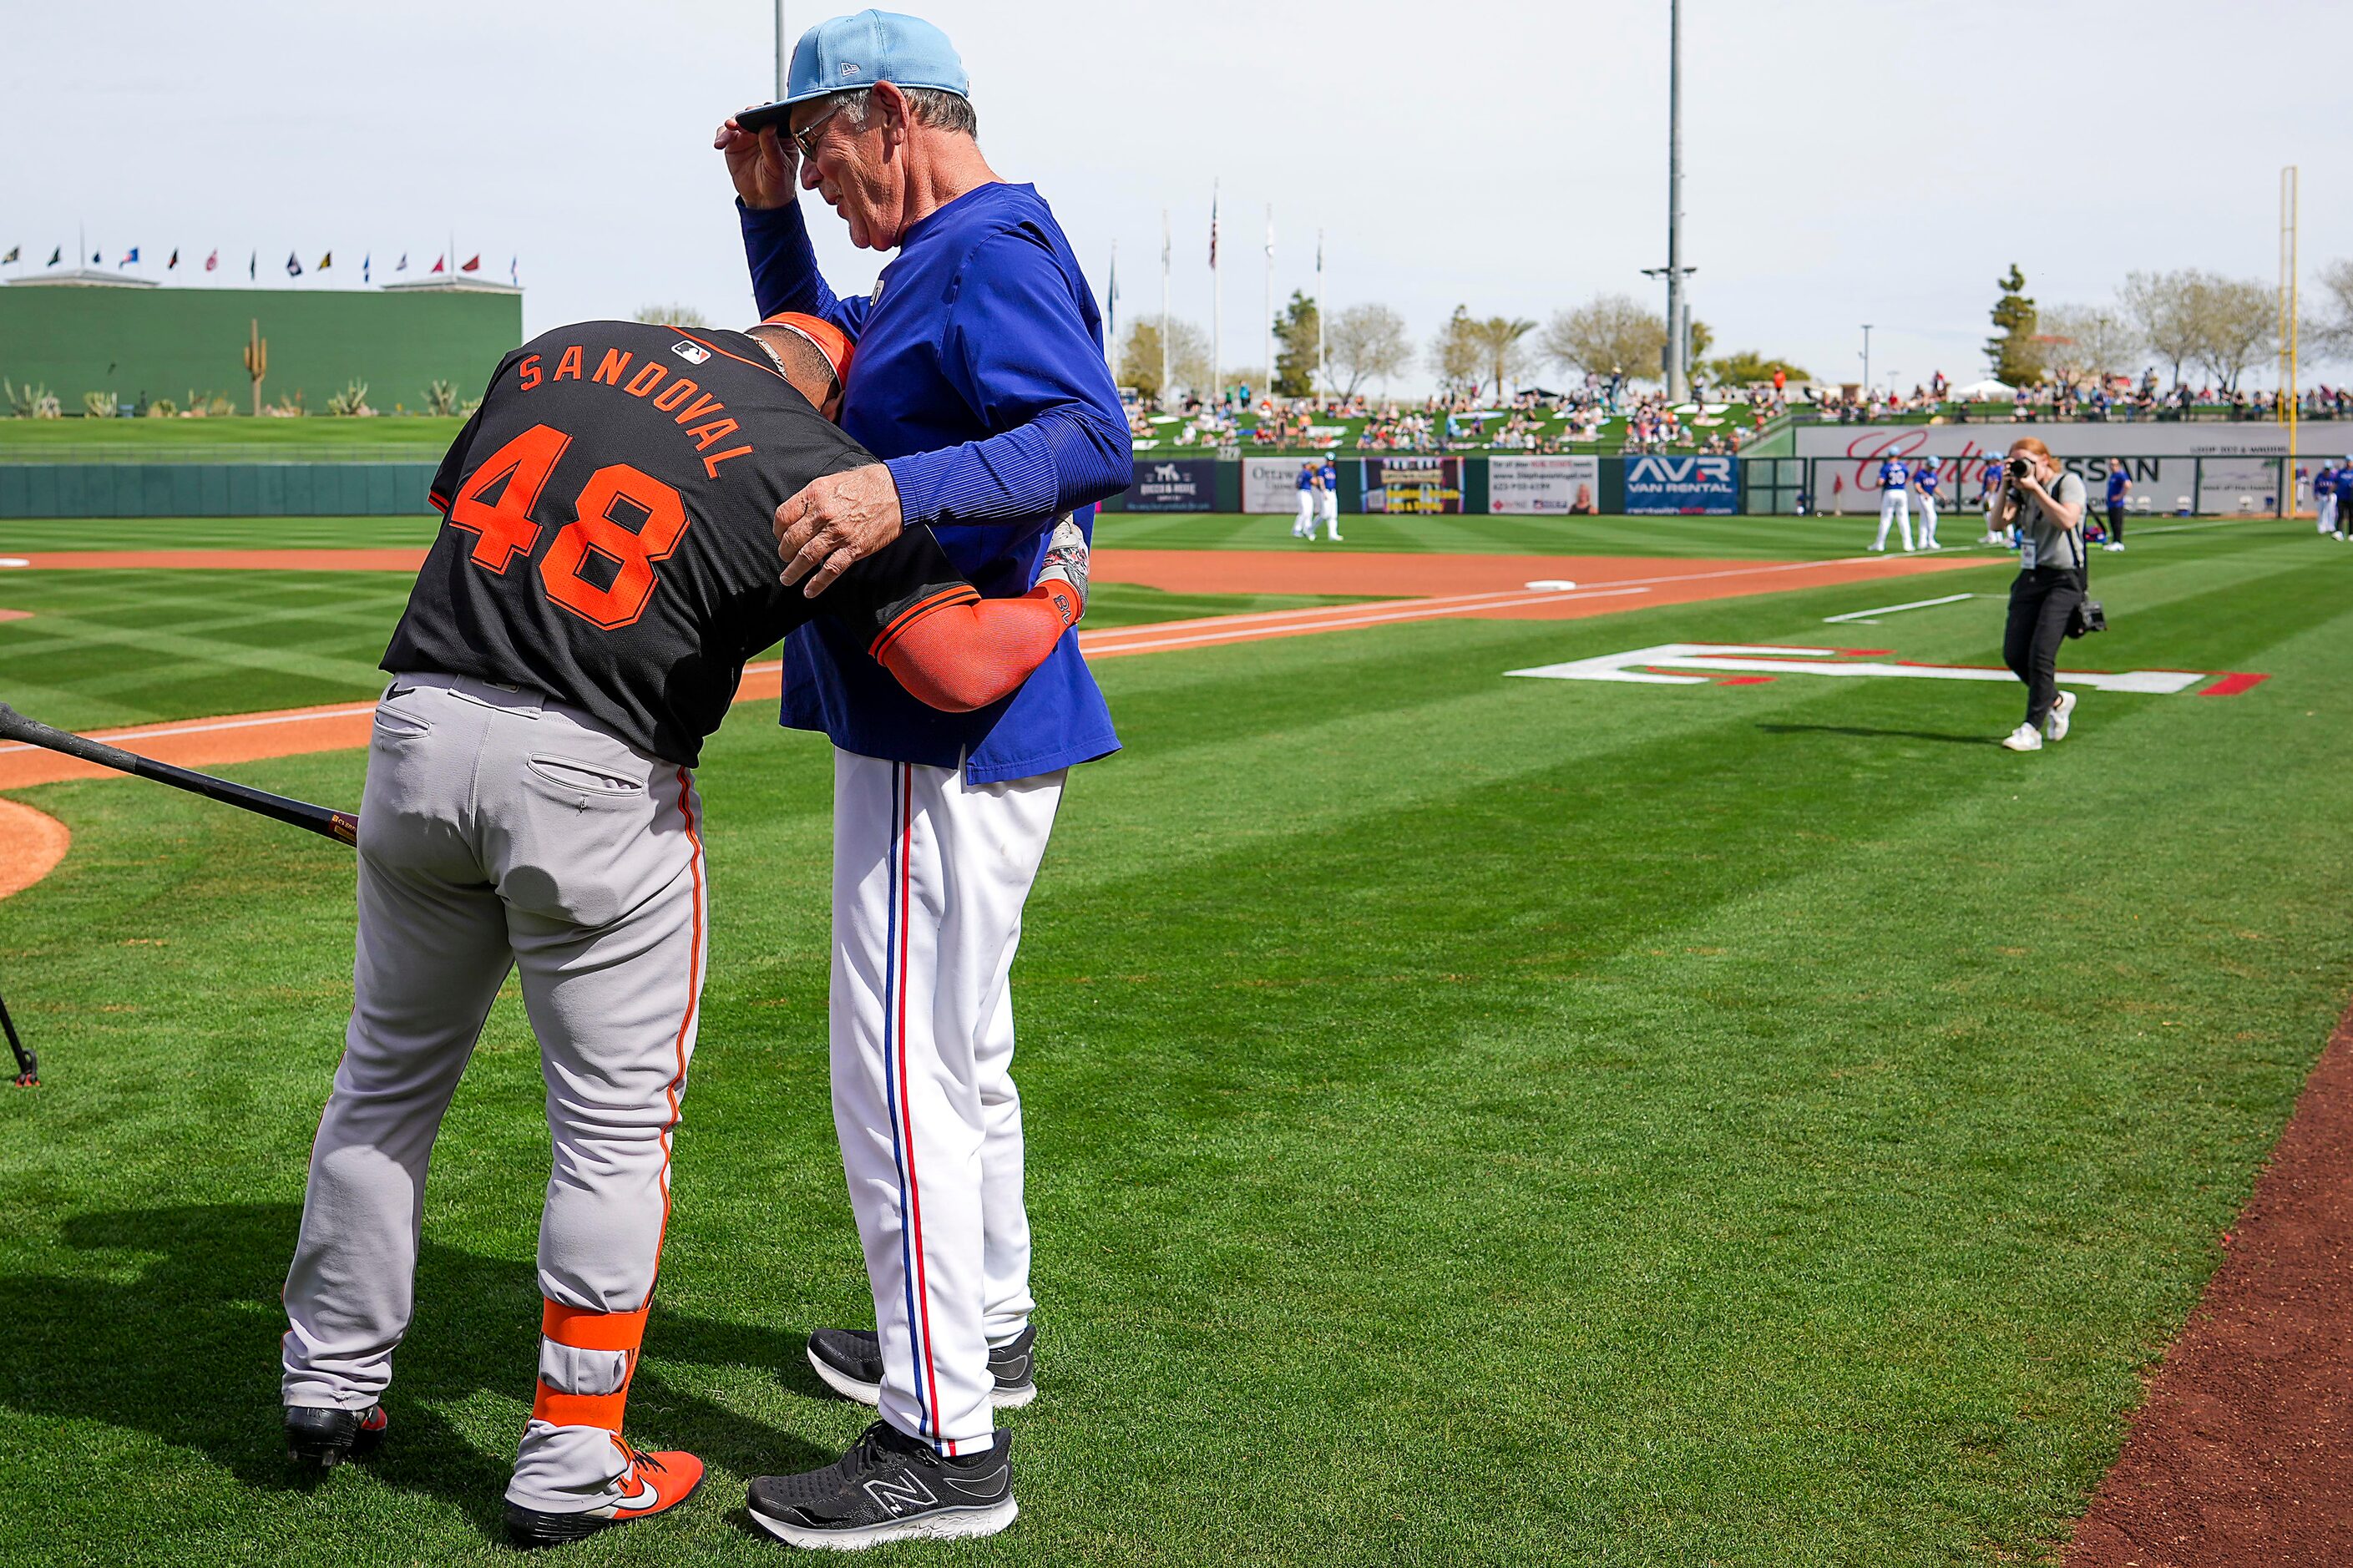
2287	344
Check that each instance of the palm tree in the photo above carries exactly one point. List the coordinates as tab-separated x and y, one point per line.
1498	338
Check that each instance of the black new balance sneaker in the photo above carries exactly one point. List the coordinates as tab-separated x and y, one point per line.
326	1438
888	1487
849	1361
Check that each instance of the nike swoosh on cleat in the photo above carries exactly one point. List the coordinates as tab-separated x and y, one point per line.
646	1496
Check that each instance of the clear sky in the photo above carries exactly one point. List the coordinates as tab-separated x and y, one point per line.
1846	160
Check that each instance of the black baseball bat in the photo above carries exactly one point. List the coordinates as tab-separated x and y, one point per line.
28	1065
340	826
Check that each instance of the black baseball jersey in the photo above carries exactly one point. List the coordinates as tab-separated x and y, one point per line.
609	539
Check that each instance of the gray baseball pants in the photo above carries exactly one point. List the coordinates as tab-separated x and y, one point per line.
500	830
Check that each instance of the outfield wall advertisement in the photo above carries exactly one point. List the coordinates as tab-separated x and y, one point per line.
1271	484
1544	487
1175	484
1662	486
1413	485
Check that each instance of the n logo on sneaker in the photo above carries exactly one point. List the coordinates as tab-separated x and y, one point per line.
900	1495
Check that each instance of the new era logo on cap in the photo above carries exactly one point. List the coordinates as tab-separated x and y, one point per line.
851	52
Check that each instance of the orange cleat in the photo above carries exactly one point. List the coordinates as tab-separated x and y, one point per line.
655	1483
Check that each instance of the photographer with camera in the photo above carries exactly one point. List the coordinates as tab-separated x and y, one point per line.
2048	597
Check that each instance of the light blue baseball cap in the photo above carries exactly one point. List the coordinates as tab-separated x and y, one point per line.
873	46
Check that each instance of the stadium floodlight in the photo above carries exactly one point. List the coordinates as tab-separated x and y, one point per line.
1866	359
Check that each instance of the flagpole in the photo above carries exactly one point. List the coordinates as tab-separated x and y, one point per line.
784	51
1267	391
1322	377
1163	308
1217	306
1110	315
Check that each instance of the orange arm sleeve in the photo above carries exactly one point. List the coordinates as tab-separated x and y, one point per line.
962	657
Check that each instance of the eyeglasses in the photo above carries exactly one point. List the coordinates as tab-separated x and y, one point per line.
806	137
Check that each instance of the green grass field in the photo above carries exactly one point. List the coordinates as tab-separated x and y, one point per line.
1471	1119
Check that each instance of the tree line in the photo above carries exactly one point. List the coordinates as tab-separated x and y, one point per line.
1610	335
2187	321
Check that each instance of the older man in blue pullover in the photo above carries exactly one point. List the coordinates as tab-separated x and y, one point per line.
978	379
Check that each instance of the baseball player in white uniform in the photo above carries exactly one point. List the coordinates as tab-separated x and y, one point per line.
1328	498
1924	478
1895	494
983	388
578	627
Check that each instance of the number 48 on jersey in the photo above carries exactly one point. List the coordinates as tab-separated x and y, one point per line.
504	528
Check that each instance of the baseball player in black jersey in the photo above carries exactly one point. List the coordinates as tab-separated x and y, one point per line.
608	564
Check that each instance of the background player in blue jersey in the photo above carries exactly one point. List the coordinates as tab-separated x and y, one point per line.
2324	485
1924	488
1894	500
1310	483
979	381
2119	486
1990	478
1329	499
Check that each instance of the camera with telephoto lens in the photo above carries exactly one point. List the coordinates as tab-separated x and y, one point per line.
2021	468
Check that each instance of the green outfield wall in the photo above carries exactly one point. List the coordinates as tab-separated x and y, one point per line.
216	489
170	342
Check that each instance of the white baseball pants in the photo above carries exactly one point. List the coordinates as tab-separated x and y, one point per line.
1303	525
2327	510
1928	520
1894	508
499	831
1330	506
929	876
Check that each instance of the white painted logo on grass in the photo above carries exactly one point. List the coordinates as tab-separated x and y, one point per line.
1696	663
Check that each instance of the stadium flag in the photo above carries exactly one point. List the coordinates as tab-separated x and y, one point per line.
438	261
368	260
252	260
1111	306
15	251
514	271
55	255
96	258
293	265
473	263
175	261
130	257
402	264
212	262
326	261
1213	227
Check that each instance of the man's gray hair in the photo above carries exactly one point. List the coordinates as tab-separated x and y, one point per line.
928	106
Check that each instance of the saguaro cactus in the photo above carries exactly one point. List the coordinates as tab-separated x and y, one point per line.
256	363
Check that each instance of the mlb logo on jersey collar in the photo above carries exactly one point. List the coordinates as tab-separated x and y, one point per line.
693	353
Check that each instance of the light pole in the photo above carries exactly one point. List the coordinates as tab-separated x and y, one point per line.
1678	327
1866	359
784	51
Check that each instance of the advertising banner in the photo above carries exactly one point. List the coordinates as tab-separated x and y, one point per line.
2238	487
1271	484
2158	484
2161	457
1413	485
1553	486
1662	486
1174	484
